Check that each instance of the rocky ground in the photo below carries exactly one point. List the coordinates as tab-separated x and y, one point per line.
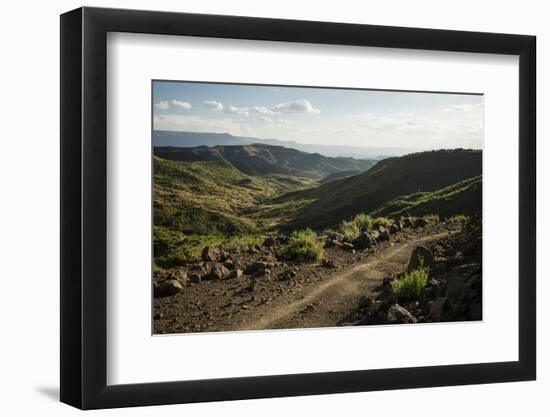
352	285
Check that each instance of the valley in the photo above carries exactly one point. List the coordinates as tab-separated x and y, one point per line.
259	236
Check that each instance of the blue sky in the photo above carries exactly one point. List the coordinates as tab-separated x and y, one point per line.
321	116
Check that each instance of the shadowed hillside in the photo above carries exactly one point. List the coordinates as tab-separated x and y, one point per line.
259	159
462	198
387	180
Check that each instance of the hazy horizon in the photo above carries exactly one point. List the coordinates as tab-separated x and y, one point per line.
321	116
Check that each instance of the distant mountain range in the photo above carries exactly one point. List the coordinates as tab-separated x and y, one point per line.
193	139
261	159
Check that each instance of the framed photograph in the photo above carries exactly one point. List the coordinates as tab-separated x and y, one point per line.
257	208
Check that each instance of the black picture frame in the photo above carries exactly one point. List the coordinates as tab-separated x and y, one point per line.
84	207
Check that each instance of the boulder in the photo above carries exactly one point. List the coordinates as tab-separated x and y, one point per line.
384	233
421	255
228	263
364	241
178	274
406	222
211	254
195	277
217	272
420	222
288	274
463	282
236	273
256	268
168	288
348	246
440	309
374	308
329	263
399	315
394	228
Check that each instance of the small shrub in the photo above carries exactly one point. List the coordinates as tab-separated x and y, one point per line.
350	230
303	244
383	221
458	219
432	218
409	287
363	221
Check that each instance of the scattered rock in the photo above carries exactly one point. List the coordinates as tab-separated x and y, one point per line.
420	222
194	277
347	246
364	241
257	268
421	255
211	254
440	309
217	272
287	275
384	233
168	288
399	315
374	308
228	263
329	263
236	273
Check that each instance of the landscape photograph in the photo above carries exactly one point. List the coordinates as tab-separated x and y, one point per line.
285	207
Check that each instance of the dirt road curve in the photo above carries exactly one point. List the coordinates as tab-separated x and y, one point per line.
327	303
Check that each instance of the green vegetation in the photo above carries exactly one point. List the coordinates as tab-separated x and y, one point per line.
463	197
411	176
408	288
350	230
228	198
304	244
383	221
458	219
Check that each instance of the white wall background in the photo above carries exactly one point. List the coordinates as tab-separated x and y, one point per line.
29	226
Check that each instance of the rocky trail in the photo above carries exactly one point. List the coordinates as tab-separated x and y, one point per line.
256	289
325	304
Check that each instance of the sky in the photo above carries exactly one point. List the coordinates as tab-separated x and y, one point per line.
322	116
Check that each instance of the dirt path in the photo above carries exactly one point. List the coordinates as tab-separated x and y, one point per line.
327	303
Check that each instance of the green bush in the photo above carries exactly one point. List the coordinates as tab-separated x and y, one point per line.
363	221
304	244
383	221
408	288
459	219
350	230
432	218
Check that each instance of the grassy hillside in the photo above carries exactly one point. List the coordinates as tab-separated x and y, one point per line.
259	160
387	180
198	202
464	197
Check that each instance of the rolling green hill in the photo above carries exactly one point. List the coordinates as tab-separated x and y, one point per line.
389	179
464	197
260	160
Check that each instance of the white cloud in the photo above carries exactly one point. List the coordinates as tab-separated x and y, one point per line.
162	105
239	111
181	104
186	123
465	108
213	105
166	104
298	106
